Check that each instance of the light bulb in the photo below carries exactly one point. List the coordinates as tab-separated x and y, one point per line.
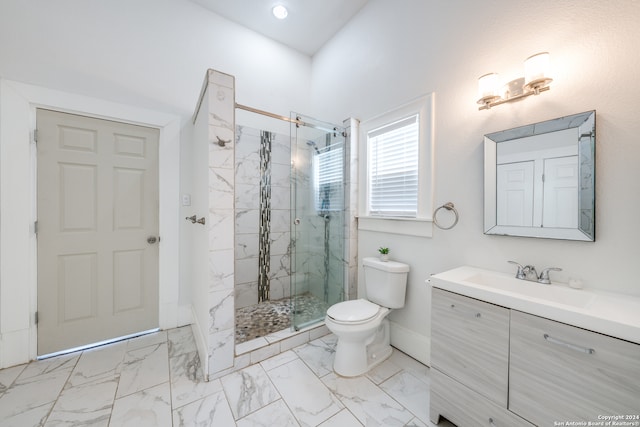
280	11
488	88
536	70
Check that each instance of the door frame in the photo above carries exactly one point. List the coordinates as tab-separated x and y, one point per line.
18	280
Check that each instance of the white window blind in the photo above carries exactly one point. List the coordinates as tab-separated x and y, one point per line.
328	174
393	168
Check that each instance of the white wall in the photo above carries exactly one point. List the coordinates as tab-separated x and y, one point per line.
148	55
394	51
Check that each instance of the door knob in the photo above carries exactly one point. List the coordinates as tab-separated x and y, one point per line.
152	239
296	221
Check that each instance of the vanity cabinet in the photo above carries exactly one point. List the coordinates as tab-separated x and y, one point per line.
470	361
470	343
494	366
559	372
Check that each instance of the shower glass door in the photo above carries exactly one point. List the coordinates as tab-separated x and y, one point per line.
318	263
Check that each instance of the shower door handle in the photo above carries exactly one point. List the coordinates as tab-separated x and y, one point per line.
296	221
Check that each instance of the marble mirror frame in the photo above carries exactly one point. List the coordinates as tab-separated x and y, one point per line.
585	139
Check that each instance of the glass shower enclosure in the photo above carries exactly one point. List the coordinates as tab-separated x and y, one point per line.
318	262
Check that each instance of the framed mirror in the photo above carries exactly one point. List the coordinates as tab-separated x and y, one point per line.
539	179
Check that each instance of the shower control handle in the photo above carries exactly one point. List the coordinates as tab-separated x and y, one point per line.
296	221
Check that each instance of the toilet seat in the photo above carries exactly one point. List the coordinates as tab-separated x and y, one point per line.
353	312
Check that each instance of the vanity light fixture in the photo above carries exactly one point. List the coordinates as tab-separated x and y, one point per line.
536	79
279	11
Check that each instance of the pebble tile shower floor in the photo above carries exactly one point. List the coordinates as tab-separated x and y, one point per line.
267	317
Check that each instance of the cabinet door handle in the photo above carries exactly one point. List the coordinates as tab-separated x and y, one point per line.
476	315
566	344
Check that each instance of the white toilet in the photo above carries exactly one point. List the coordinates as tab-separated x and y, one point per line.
361	325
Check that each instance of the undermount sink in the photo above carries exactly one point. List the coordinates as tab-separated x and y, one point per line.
553	293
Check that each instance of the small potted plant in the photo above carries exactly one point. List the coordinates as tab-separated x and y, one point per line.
384	253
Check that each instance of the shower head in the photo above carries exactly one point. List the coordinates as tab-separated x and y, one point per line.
313	144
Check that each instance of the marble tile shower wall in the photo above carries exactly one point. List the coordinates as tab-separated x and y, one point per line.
247	202
220	96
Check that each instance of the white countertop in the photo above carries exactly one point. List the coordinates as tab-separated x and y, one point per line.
608	313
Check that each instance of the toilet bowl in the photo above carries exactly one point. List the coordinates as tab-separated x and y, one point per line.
361	325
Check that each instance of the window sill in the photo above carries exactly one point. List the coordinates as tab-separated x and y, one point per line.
419	227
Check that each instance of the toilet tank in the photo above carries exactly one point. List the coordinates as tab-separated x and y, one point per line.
385	282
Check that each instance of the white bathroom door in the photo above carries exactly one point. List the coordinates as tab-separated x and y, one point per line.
561	192
97	230
515	194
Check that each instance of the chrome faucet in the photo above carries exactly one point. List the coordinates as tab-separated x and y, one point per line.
520	274
544	276
528	272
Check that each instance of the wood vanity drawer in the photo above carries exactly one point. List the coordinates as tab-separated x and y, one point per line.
465	407
470	343
560	372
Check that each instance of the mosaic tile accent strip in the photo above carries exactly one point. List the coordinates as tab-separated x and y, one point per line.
264	256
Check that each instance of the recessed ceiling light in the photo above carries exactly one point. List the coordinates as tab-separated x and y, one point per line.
280	11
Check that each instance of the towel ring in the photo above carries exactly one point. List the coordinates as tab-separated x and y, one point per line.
448	206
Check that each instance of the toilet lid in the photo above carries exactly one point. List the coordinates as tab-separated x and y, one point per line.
353	311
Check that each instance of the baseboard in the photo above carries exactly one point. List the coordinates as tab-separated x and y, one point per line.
14	348
201	344
185	315
410	342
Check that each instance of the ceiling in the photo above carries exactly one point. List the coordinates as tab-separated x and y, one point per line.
310	24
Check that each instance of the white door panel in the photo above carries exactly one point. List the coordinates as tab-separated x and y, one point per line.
561	179
515	194
97	204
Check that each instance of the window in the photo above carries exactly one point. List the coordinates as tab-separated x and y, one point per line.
328	174
393	168
396	172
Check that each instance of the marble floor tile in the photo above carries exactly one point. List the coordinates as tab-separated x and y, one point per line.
212	410
100	362
143	368
371	405
147	340
64	363
410	364
86	404
417	423
318	356
312	407
410	392
157	380
181	341
274	414
248	390
35	416
343	418
8	376
383	371
278	360
146	408
330	339
187	382
34	391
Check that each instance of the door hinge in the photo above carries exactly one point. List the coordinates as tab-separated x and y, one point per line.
35	135
35	227
542	177
36	318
